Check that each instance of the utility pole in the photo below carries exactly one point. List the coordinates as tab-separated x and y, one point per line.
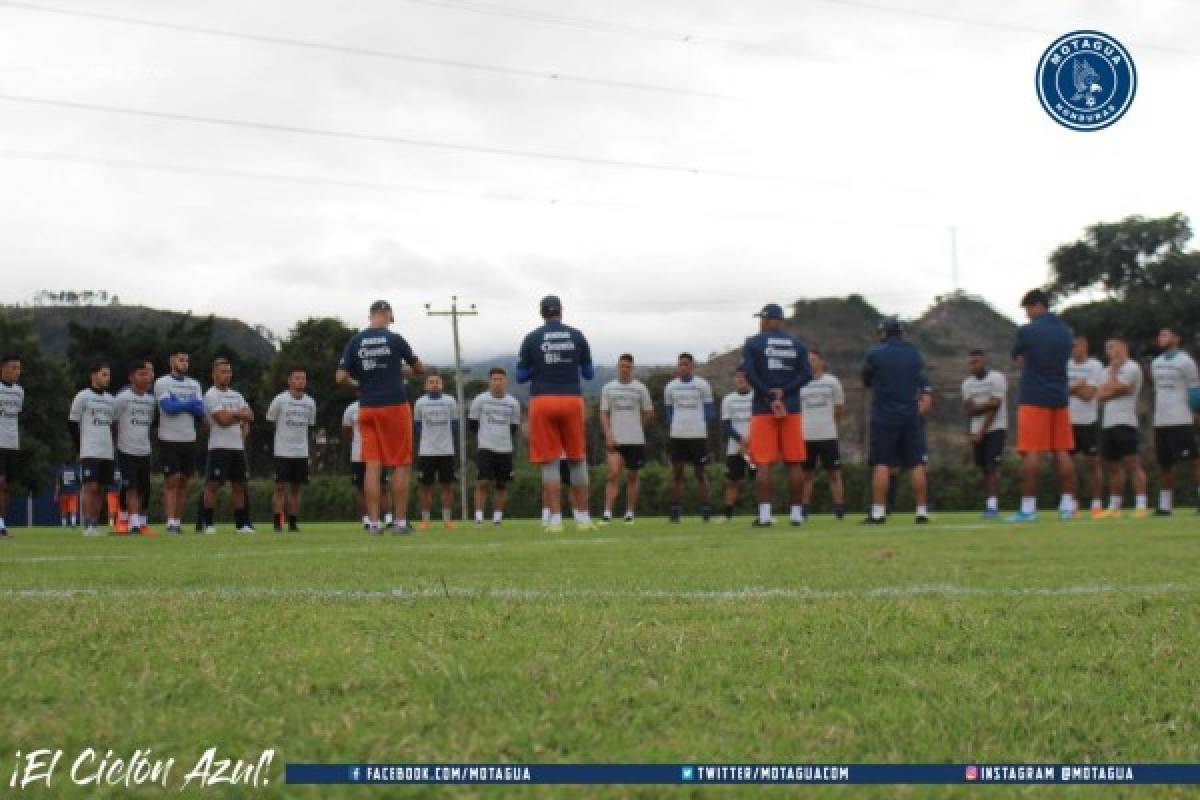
454	313
954	257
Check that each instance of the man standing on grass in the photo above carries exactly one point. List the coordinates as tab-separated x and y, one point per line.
625	410
374	360
66	494
181	403
737	409
294	413
435	416
91	422
12	401
777	368
1119	442
358	470
688	404
495	419
228	419
552	359
895	373
1084	376
134	408
1043	419
1175	376
985	399
823	401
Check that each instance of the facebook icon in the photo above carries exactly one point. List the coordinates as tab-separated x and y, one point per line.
354	773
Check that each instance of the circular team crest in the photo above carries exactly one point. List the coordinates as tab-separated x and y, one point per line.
1086	80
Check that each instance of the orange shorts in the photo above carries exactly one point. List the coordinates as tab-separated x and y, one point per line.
114	503
387	435
68	503
773	438
556	428
1041	429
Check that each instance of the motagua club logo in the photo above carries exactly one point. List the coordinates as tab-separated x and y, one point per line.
1086	80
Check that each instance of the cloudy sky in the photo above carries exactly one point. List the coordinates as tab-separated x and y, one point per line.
690	161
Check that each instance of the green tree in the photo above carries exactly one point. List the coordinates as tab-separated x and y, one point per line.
48	393
1146	275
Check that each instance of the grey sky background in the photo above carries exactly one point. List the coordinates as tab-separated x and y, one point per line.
856	137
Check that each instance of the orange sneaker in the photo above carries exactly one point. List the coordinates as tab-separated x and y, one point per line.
1097	513
449	524
423	525
148	531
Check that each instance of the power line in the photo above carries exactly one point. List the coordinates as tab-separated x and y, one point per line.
546	200
562	77
330	133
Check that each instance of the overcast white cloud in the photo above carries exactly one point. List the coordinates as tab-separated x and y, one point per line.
872	133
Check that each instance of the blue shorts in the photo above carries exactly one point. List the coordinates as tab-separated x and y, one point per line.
902	446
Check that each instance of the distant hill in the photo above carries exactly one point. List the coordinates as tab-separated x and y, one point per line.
50	323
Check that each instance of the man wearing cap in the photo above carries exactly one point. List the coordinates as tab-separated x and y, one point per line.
777	368
895	373
1043	418
552	359
374	360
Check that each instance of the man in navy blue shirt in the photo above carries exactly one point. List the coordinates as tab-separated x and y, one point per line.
375	360
552	359
1043	418
777	368
895	373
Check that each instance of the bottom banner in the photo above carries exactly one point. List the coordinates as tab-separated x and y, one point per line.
743	773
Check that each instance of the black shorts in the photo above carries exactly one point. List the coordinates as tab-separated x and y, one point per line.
633	456
96	470
494	467
689	451
9	463
989	451
435	468
1087	443
737	468
1118	442
358	475
291	470
135	474
177	458
1174	443
902	446
226	465
823	452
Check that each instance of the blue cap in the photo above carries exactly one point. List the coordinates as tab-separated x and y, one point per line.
770	311
891	326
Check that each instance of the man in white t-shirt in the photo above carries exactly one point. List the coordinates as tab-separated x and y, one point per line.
435	422
688	400
229	417
822	402
1084	376
293	413
1175	377
625	411
737	409
1119	443
91	419
495	419
985	399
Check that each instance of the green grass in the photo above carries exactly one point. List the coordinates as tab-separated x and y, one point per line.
962	641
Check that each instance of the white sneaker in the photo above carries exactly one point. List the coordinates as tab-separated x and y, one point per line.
210	530
247	529
90	532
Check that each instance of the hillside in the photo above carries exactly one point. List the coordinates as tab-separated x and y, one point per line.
51	324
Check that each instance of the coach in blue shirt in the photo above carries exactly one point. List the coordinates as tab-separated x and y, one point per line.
895	373
776	366
1043	419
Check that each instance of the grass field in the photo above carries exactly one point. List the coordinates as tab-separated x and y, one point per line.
960	641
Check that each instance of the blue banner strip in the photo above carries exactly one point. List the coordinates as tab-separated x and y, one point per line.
763	773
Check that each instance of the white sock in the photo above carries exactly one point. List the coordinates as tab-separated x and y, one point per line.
922	511
764	512
1114	502
1139	502
478	515
628	515
425	516
1097	504
2	525
556	518
1066	503
797	514
497	516
445	515
173	522
1164	499
545	516
583	517
387	518
366	520
878	511
993	503
607	514
1028	505
401	523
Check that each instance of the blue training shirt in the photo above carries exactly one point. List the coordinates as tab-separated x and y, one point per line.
553	357
1045	344
895	372
776	360
375	357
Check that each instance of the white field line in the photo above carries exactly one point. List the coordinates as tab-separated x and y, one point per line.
518	593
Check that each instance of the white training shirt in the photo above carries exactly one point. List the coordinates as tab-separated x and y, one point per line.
94	412
1123	410
495	416
687	401
135	415
436	415
625	403
1091	372
12	401
737	408
293	416
1174	373
993	385
177	427
224	437
818	398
